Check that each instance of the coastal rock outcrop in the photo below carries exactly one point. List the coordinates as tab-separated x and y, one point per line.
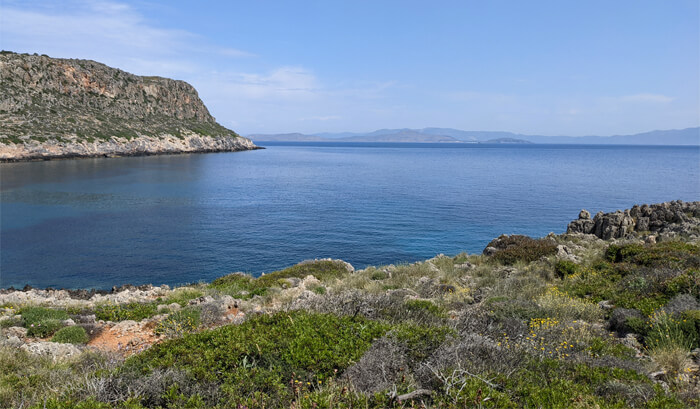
669	217
58	108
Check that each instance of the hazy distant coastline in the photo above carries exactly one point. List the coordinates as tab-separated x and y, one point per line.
688	136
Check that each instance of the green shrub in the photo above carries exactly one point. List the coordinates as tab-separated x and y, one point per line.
34	315
260	356
512	249
120	312
690	324
664	254
182	296
637	325
71	335
688	282
558	304
414	306
666	331
44	328
42	322
565	268
420	341
321	269
244	286
235	282
179	323
379	275
603	347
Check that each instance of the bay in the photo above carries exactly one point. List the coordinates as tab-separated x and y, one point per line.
95	223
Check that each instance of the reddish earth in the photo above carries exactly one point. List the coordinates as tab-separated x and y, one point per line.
125	342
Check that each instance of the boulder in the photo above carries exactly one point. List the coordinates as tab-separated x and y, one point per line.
18	332
55	351
11	341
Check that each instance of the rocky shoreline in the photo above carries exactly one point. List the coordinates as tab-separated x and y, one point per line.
143	146
661	219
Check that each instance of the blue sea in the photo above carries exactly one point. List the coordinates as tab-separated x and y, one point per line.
95	223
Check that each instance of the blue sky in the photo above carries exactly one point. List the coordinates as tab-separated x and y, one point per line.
537	67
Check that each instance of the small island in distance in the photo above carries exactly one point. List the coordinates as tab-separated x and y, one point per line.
688	136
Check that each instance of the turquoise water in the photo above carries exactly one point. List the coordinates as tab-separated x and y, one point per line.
185	218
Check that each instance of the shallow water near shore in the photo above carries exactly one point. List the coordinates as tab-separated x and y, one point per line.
95	223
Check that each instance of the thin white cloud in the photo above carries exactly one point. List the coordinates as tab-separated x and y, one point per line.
110	32
646	98
281	84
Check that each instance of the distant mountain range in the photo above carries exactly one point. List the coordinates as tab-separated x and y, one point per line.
688	136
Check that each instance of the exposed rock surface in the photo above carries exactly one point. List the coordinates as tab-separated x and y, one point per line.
53	108
669	217
71	298
53	350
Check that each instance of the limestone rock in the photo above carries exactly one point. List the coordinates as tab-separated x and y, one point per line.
54	350
11	341
18	332
565	253
675	217
54	107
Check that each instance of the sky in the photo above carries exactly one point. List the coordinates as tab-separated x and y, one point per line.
531	67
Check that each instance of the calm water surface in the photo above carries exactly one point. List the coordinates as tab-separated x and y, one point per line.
185	218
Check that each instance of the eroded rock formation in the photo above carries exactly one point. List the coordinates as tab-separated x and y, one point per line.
669	217
53	108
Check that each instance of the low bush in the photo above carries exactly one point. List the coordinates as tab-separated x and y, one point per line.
625	320
179	323
233	281
321	269
666	331
565	268
419	306
120	312
71	335
258	358
44	328
674	254
379	275
515	248
35	315
558	304
182	296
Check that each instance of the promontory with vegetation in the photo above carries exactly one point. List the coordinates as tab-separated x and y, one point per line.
68	108
606	315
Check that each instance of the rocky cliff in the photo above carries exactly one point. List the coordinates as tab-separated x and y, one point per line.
53	108
662	218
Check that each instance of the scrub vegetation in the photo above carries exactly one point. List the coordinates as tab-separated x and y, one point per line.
614	324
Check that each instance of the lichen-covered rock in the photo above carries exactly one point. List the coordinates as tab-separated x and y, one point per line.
53	107
56	351
675	217
18	332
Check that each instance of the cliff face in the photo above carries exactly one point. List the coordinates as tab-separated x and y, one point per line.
51	108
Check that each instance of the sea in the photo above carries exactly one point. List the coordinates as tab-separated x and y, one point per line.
177	219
